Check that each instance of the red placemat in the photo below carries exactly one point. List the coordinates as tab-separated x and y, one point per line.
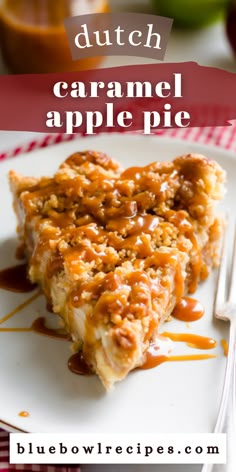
224	136
219	136
6	467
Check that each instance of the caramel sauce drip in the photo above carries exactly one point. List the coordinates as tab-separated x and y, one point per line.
225	347
15	330
24	414
20	307
153	358
77	364
188	309
39	326
15	279
194	340
191	357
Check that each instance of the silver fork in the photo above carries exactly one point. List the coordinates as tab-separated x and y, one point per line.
225	309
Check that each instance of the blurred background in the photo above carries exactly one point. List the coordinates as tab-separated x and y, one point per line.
33	40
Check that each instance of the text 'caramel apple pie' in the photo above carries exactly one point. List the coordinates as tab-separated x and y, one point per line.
114	250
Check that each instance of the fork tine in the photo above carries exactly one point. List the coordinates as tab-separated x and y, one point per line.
220	296
232	288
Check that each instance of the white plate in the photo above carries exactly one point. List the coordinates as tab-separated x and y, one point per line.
174	397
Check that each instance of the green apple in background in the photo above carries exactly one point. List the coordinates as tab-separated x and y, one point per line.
191	13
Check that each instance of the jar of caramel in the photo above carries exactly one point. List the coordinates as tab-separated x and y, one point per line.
33	37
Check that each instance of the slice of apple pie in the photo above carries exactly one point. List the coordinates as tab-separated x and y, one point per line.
114	250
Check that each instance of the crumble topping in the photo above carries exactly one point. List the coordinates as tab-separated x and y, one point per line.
114	250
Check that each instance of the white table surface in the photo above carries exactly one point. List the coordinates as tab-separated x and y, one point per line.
208	47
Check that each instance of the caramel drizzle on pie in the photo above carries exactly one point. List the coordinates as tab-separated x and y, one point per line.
124	246
76	362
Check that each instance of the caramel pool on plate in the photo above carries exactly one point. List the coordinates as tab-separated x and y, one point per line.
188	309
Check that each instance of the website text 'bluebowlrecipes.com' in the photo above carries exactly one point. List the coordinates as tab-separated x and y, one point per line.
39	448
